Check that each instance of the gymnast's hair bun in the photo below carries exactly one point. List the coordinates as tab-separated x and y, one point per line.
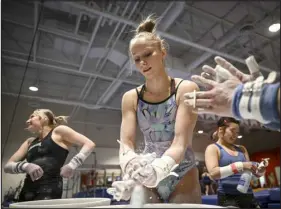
147	25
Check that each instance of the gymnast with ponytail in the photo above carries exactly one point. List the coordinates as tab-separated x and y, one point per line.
42	157
166	168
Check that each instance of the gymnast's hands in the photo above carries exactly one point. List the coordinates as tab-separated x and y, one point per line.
151	174
220	83
139	162
67	171
34	171
145	175
217	100
122	190
214	74
250	166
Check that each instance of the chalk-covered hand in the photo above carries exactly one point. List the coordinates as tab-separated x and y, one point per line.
216	75
122	190
153	173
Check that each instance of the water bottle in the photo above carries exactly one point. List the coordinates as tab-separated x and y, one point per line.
244	182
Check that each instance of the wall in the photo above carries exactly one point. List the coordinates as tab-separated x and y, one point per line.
260	140
274	155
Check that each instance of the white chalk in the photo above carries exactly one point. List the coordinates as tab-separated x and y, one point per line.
137	197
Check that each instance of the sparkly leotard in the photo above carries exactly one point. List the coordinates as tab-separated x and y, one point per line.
157	123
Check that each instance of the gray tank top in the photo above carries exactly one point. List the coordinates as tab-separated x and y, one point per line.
157	123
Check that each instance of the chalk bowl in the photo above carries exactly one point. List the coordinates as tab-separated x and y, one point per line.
164	205
64	203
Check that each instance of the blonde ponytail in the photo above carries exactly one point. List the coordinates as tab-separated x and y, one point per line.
60	120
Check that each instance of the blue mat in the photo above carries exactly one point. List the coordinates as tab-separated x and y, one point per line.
209	199
273	205
263	197
274	195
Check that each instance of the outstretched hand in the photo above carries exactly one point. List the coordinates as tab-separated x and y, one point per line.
220	83
217	100
214	74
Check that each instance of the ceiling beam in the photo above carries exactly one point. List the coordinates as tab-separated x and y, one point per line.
62	69
85	56
229	36
90	83
36	19
90	44
54	31
217	18
161	33
60	101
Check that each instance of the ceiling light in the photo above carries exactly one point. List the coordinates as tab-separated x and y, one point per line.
200	132
239	137
274	27
33	88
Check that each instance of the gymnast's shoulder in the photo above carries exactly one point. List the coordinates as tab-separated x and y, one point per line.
129	98
243	148
185	86
29	140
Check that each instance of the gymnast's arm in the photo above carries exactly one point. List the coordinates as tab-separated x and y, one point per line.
68	135
269	104
129	119
212	161
15	163
128	129
185	123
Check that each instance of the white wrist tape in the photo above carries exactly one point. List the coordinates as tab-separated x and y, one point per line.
231	169
249	106
15	167
126	154
163	167
222	74
252	65
79	159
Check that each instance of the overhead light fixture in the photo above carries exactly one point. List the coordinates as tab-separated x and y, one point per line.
239	137
200	132
33	88
274	27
